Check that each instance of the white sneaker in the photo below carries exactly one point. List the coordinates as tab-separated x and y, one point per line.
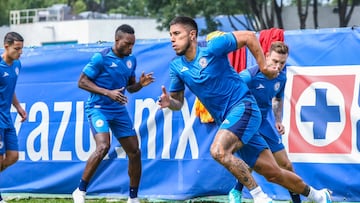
326	196
2	201
263	199
78	196
133	200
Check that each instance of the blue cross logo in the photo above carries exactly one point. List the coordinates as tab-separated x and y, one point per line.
320	114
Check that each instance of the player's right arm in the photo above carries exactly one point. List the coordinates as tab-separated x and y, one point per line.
89	75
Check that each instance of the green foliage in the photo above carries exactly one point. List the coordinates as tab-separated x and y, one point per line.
78	7
7	5
165	10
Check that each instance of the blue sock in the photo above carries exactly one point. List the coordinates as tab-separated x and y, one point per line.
83	185
239	186
295	197
133	192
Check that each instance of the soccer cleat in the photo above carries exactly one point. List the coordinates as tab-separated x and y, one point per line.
326	196
234	196
2	201
78	196
133	200
263	199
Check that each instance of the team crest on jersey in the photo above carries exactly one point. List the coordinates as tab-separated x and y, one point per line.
17	70
203	62
277	86
129	64
1	144
99	123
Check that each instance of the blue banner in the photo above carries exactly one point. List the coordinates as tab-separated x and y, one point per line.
321	115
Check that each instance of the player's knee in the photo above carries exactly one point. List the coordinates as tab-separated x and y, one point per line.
102	149
273	175
12	157
134	154
217	153
287	166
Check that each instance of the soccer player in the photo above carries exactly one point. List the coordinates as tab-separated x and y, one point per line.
106	77
269	95
207	73
10	66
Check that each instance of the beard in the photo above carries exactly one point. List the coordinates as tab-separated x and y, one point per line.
184	50
123	52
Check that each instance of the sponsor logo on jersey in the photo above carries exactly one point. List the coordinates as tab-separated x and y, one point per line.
129	64
184	69
113	65
203	62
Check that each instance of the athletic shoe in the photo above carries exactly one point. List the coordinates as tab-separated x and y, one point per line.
78	196
133	200
234	196
326	196
263	199
2	201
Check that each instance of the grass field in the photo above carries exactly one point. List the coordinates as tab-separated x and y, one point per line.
29	198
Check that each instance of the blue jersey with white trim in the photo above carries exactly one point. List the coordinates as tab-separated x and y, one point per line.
109	71
264	89
211	77
8	79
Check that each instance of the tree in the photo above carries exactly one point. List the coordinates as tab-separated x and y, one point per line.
303	12
255	11
344	15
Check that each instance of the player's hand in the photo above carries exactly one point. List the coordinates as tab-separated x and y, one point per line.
146	79
280	127
22	113
117	95
164	99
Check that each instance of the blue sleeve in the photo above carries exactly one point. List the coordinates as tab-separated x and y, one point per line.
281	93
135	63
283	79
245	76
176	84
222	45
249	73
93	68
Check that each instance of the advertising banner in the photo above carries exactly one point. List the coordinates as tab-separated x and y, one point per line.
321	115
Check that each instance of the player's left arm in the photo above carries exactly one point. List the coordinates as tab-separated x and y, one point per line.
277	105
145	79
21	111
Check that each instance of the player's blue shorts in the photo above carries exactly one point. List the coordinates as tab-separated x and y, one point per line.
271	135
8	140
251	151
102	121
243	120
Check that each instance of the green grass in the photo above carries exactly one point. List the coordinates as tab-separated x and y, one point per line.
67	199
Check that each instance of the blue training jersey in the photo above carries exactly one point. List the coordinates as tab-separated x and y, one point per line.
264	89
210	76
109	71
8	78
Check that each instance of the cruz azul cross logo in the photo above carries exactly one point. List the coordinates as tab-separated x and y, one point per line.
319	110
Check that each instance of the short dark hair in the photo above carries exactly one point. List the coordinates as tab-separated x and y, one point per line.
279	47
124	28
187	21
11	37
